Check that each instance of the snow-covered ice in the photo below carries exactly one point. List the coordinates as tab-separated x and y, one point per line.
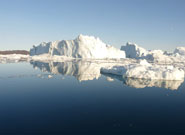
81	47
158	56
145	70
180	51
134	51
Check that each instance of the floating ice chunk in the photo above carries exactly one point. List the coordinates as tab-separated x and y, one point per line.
146	71
50	76
109	79
155	72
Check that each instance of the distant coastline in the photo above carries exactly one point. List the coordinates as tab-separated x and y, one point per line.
24	52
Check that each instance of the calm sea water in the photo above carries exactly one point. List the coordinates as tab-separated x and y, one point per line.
62	98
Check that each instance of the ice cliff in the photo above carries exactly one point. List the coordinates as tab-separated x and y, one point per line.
81	47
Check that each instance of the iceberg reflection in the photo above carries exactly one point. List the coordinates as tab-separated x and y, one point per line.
142	83
88	70
81	70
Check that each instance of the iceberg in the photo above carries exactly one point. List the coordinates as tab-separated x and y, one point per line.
81	47
157	56
180	51
43	48
145	70
132	61
89	70
134	51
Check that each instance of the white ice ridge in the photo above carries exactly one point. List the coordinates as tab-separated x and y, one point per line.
136	52
145	70
81	47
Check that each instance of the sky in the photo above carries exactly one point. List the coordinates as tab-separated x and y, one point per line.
152	24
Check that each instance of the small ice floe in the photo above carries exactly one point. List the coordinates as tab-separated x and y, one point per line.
50	76
110	79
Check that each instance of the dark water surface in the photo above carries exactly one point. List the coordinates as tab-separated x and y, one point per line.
68	103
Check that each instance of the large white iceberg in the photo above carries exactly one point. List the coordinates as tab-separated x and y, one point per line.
81	47
145	70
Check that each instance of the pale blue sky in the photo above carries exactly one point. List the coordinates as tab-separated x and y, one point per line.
152	24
